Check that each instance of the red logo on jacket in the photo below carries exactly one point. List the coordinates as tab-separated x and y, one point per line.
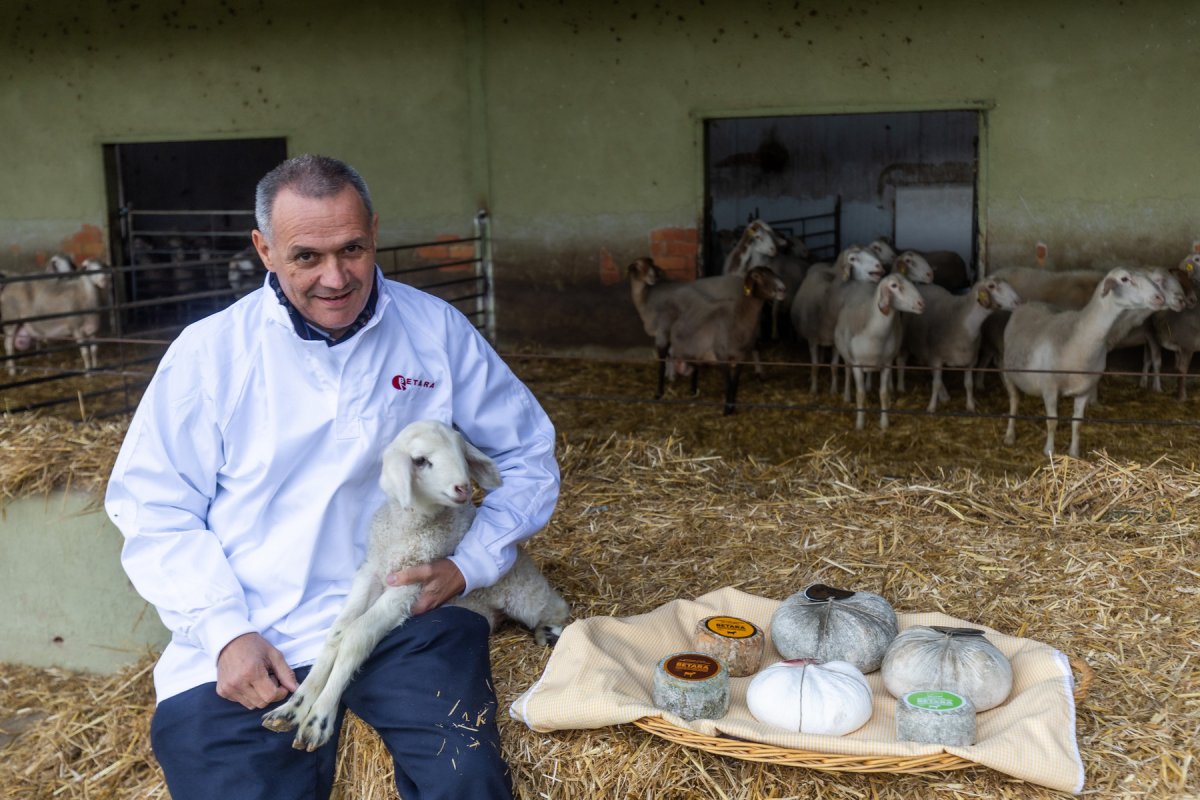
402	383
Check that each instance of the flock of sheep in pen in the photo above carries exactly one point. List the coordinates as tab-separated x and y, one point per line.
874	310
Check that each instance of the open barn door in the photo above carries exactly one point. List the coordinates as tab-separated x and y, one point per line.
178	211
839	179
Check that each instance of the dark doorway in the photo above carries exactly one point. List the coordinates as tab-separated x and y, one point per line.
841	179
178	212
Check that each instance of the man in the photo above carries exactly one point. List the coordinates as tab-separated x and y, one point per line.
246	484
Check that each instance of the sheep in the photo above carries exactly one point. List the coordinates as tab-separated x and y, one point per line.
660	302
757	245
948	333
868	334
1133	327
70	302
815	307
1053	351
791	264
1179	331
882	249
426	475
913	266
1071	288
723	333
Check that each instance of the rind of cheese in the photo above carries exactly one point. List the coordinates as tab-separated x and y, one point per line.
735	642
692	686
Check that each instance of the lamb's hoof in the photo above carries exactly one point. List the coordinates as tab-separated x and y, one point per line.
547	635
281	719
313	733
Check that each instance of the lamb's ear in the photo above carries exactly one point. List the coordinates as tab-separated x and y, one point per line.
1110	285
481	468
396	476
985	298
885	301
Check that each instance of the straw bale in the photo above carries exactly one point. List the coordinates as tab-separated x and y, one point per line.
1097	556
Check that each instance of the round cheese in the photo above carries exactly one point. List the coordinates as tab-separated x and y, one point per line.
959	660
935	717
831	624
807	696
692	686
734	642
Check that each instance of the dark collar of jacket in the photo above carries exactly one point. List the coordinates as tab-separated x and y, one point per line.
305	330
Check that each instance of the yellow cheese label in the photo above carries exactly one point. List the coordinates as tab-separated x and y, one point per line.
730	627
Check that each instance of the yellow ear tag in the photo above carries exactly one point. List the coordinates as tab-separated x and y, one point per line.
902	268
983	296
746	289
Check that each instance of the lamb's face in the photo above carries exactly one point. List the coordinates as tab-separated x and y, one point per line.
762	239
914	267
864	266
429	463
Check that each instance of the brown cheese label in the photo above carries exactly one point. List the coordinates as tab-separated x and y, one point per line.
730	627
692	666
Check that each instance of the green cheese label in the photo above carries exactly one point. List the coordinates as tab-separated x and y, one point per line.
933	701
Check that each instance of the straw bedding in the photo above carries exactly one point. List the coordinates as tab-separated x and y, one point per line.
1097	557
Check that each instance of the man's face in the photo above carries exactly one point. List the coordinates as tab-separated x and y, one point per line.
323	252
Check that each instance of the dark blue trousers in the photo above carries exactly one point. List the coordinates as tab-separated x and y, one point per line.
426	689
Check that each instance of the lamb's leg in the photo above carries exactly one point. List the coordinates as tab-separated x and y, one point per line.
10	347
1081	402
969	387
846	383
732	373
814	367
1183	364
1153	354
1050	399
885	395
359	638
860	416
533	602
1014	401
936	389
834	357
901	363
661	355
364	591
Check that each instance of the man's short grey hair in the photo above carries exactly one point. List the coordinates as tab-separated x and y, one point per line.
310	176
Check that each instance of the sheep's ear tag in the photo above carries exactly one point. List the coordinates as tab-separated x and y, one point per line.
819	591
957	631
746	289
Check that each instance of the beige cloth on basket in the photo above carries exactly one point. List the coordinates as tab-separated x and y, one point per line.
601	674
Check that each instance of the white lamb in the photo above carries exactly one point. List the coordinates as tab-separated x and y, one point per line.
55	309
427	473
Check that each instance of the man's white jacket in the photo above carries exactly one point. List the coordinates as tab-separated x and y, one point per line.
248	478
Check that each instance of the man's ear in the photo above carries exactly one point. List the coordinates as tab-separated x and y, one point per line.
263	247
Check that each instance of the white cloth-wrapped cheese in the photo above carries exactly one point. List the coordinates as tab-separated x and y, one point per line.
958	660
935	718
831	624
807	696
692	686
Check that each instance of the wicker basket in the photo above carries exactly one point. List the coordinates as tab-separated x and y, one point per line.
754	751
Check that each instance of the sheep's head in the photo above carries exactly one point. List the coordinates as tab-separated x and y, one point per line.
859	264
760	239
97	272
431	464
1174	294
882	249
1000	294
1131	289
764	284
898	292
913	266
644	270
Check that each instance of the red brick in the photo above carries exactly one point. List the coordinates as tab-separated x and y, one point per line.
677	267
610	272
681	248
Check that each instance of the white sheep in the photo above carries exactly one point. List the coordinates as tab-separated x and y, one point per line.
815	307
756	246
724	333
427	473
1179	331
1053	351
45	309
948	333
868	335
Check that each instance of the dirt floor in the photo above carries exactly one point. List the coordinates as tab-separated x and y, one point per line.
1096	556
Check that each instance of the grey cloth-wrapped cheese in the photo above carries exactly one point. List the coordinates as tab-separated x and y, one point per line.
959	660
834	625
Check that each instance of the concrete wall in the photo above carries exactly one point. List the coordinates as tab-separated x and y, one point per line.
579	124
66	600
